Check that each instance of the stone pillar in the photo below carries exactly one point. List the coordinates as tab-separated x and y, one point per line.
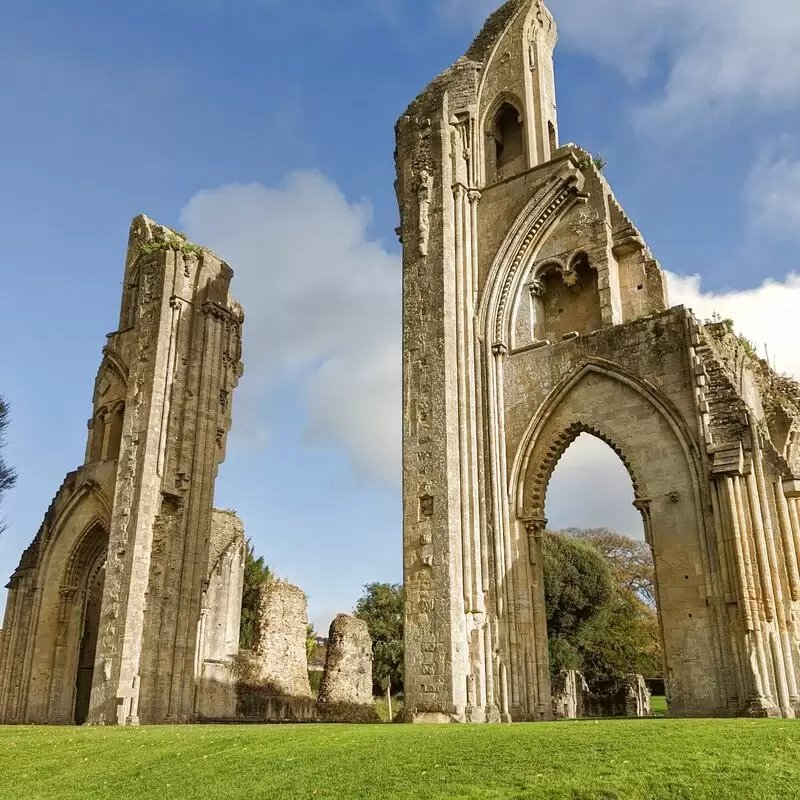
535	528
637	702
348	663
281	650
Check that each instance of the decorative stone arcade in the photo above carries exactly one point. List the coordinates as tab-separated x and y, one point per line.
533	312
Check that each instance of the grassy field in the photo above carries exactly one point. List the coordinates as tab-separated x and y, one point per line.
658	705
576	760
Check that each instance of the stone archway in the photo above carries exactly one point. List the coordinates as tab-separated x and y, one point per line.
78	614
89	635
532	310
636	425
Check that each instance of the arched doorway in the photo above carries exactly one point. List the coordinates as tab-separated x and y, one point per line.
88	643
603	628
646	433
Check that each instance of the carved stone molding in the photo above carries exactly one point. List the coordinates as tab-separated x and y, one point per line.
424	197
535	528
563	194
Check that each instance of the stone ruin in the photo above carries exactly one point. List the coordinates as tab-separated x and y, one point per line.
129	597
273	684
125	608
534	312
348	663
281	650
573	699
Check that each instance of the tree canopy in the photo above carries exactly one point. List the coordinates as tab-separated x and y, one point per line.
630	560
382	607
256	575
8	477
597	619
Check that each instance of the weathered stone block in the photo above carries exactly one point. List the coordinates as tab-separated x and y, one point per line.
281	650
348	664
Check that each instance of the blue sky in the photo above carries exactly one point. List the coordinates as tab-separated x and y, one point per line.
265	130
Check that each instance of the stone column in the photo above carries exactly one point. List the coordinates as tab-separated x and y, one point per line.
348	663
535	529
281	650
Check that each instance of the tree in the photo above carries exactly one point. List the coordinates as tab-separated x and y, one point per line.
311	641
630	560
577	587
256	575
622	639
382	607
8	477
597	621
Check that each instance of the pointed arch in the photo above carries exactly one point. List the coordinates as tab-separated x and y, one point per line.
552	199
86	554
661	404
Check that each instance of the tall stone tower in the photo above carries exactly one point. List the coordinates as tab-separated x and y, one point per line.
533	312
130	594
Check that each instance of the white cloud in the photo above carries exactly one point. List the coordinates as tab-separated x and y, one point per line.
721	55
322	305
592	471
767	314
772	194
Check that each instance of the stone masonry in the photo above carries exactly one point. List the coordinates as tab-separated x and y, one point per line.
281	652
131	589
535	312
348	663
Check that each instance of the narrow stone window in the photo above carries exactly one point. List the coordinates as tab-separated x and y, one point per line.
507	136
551	133
98	434
115	433
505	145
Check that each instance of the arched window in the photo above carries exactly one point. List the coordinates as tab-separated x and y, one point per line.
567	301
115	433
130	301
98	434
505	154
551	133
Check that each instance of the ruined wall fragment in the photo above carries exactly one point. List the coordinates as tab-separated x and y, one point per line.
281	651
348	664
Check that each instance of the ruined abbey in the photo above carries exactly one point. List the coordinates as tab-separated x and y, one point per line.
533	312
129	596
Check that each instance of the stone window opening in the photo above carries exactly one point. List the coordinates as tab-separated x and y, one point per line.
115	432
505	147
98	436
130	301
552	137
565	300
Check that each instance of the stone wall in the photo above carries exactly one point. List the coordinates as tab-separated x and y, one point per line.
139	510
281	651
534	312
572	697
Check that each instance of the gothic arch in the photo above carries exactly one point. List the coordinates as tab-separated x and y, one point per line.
552	199
661	404
555	450
648	433
90	545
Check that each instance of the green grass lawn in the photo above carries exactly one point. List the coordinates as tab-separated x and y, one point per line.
658	705
576	760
